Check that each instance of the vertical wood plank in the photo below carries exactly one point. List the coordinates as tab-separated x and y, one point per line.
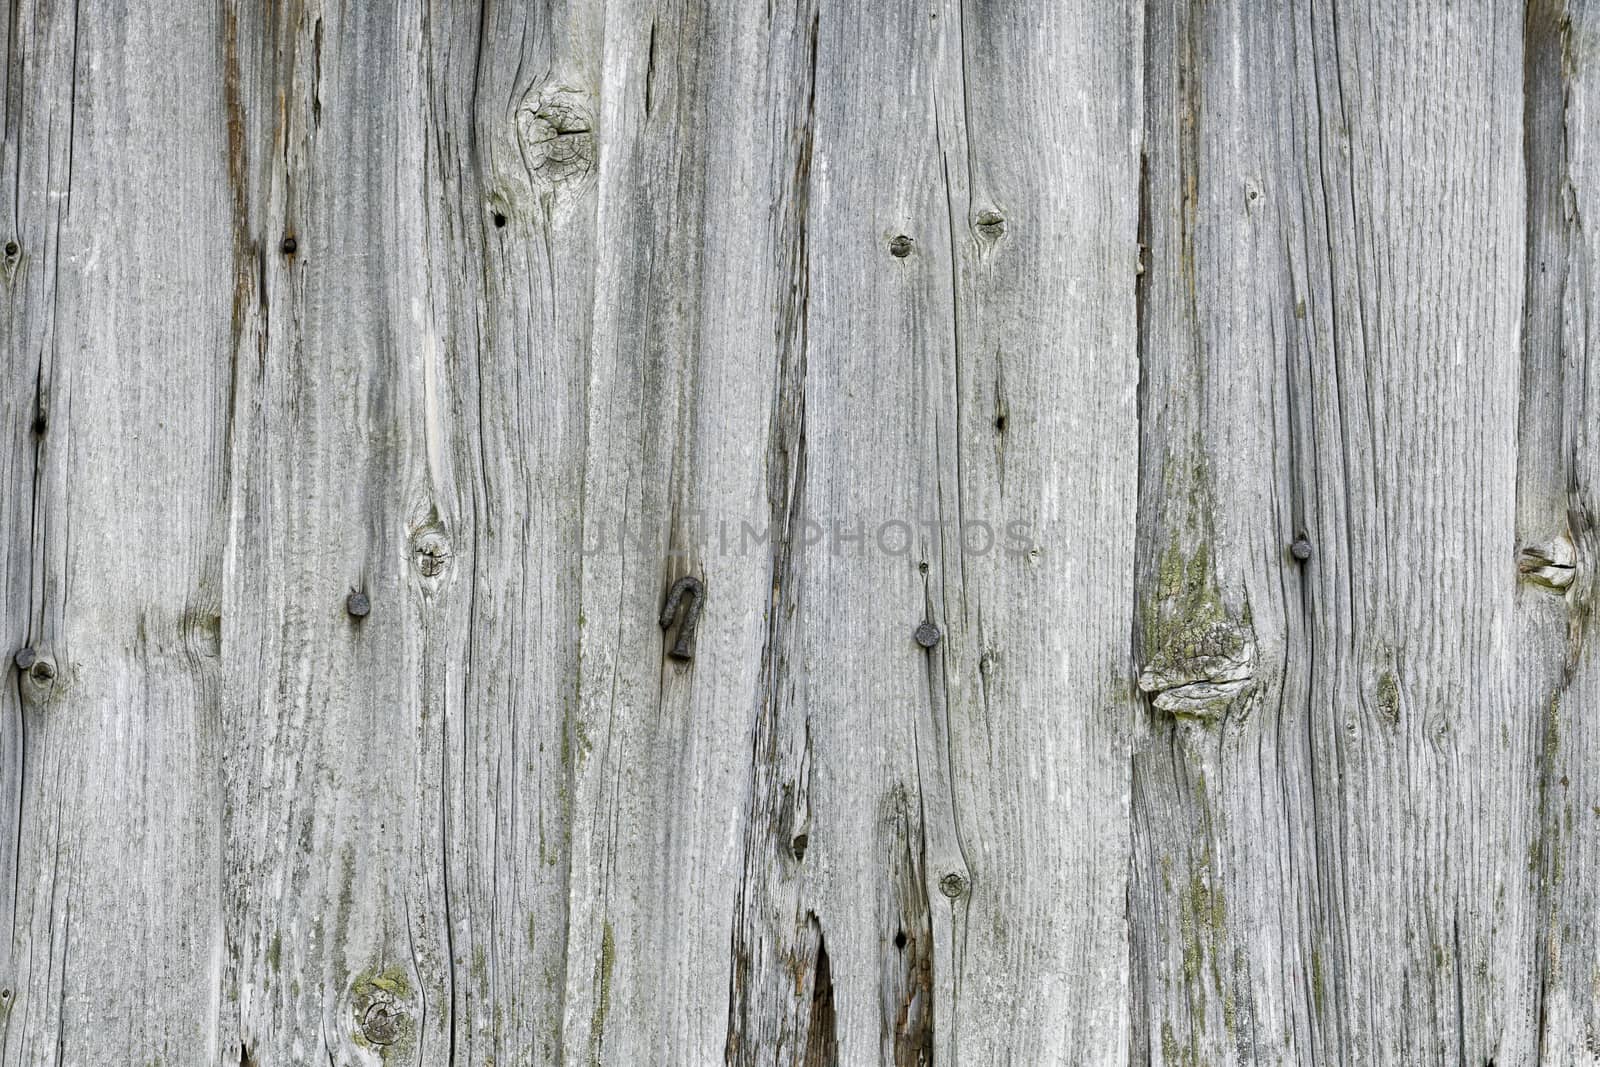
693	425
920	795
408	415
1039	113
114	328
1559	467
1331	856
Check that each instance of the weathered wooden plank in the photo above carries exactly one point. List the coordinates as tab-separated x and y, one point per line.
1224	862
1034	423
1556	517
1331	840
407	417
114	285
336	772
693	423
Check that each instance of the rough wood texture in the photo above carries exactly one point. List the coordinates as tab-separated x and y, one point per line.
373	372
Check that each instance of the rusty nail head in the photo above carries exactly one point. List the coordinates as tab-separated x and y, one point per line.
695	590
289	245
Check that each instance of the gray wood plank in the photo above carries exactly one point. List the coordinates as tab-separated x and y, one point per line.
1556	509
114	313
407	420
693	417
1035	430
1331	858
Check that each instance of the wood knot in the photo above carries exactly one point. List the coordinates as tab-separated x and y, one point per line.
381	1025
555	127
1551	565
991	225
900	246
1199	656
430	551
953	885
39	668
377	1008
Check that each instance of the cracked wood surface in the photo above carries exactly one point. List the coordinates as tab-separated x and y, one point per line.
982	361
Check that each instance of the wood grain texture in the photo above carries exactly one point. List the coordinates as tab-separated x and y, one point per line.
983	361
116	298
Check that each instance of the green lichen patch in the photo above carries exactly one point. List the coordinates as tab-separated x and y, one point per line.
1389	698
602	997
1202	923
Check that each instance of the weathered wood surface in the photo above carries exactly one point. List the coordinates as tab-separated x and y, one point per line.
1053	325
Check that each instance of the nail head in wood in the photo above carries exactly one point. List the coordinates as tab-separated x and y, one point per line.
1301	549
928	635
358	605
695	590
289	245
25	657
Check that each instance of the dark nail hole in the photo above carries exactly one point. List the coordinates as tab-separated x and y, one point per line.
923	566
799	846
40	423
499	221
289	245
900	247
900	939
12	249
1000	423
